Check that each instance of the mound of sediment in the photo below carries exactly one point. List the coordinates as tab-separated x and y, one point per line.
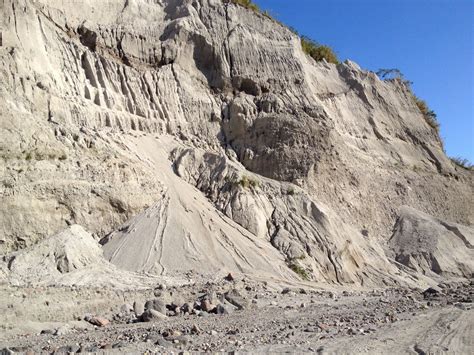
72	257
429	245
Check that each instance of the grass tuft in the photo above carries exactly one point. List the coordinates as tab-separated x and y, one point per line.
297	269
247	182
428	114
318	51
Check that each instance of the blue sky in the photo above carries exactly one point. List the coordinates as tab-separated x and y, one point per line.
430	41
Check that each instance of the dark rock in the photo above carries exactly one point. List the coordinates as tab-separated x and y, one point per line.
48	331
157	304
120	344
187	308
431	292
229	277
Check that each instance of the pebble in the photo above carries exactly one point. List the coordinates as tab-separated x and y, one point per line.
195	329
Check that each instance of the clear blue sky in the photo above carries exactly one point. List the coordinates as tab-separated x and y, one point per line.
430	41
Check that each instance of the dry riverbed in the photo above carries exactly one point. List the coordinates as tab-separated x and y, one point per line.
231	316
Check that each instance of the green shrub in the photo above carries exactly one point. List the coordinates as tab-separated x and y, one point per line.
463	163
428	114
244	181
39	155
247	182
297	269
318	51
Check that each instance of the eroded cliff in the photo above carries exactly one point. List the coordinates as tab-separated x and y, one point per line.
119	109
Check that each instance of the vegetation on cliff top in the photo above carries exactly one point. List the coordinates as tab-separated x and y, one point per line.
321	52
248	4
428	114
315	50
318	52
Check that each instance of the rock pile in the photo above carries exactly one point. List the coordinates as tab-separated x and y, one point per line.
165	305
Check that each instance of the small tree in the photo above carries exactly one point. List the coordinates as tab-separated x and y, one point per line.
428	114
389	74
393	74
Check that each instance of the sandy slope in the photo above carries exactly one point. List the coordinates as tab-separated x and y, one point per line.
183	231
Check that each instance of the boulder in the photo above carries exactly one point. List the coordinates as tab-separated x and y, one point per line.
151	315
156	304
225	308
207	306
138	308
431	292
187	307
235	298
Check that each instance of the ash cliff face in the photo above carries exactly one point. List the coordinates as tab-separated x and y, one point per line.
197	135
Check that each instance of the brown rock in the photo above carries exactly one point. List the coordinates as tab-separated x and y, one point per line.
195	329
98	321
207	306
